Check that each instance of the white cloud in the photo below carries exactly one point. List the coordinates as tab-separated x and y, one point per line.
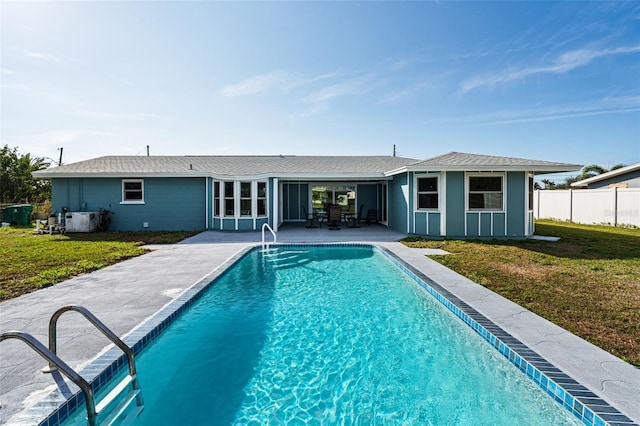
106	115
564	63
47	57
254	85
6	71
403	95
319	101
606	106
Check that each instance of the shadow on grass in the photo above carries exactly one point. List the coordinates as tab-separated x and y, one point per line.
576	242
142	237
586	242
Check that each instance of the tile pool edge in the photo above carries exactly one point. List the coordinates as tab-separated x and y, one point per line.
593	410
573	396
57	406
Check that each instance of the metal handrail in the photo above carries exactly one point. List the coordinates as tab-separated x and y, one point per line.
54	360
98	324
110	335
275	238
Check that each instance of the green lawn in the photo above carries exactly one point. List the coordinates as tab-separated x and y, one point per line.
587	283
30	261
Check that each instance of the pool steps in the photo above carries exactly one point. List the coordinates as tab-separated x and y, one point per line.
281	258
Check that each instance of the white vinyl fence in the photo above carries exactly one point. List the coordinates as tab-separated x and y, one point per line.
614	206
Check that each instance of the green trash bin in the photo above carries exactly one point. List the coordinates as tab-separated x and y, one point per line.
19	214
7	214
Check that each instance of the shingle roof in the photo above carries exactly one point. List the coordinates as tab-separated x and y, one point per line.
464	161
291	166
229	165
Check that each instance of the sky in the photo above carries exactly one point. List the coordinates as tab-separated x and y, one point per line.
555	81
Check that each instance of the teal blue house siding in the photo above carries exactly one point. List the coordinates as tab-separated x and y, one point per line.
189	203
367	197
420	223
473	224
209	204
245	224
516	204
499	224
170	204
398	204
485	224
455	205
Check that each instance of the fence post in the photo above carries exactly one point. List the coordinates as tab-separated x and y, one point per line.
571	205
615	206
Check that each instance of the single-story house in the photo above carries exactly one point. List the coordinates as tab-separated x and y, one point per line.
624	177
455	195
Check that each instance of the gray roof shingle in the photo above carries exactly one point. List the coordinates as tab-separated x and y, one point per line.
229	165
290	165
476	162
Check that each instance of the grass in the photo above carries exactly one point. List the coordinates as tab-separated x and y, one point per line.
31	262
587	283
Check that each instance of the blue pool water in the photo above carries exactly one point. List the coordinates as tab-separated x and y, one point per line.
345	337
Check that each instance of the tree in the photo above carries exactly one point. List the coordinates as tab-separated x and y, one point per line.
591	171
548	184
17	184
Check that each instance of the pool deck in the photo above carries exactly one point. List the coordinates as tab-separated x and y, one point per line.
125	294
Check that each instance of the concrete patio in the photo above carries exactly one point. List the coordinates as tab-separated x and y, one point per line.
125	294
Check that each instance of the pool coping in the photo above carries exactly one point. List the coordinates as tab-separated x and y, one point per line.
584	404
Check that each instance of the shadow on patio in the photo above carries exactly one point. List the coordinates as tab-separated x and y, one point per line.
299	233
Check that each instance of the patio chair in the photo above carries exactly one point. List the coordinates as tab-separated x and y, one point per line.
372	216
335	217
312	219
360	216
353	219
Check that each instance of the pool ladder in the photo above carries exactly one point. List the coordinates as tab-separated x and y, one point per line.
55	363
265	246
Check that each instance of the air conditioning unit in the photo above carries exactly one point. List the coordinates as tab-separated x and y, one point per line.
81	221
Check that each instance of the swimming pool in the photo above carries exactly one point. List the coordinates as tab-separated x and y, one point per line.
335	334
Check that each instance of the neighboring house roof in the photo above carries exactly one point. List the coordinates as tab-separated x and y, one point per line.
459	161
607	175
291	166
229	166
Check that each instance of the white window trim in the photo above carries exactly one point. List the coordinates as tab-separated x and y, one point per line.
416	192
217	198
252	191
467	186
254	200
237	199
141	181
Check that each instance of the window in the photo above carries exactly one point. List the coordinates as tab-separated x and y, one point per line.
530	193
485	193
239	199
133	191
216	198
262	198
229	205
245	198
427	193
